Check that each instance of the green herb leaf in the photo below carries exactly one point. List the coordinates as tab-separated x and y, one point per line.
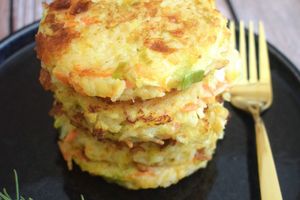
5	193
17	185
2	196
5	196
191	78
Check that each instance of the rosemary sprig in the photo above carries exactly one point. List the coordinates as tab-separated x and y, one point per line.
17	184
5	196
81	196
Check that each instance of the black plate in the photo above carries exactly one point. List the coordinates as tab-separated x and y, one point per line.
28	140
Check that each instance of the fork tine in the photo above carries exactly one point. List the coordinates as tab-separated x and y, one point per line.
264	65
252	55
242	47
232	30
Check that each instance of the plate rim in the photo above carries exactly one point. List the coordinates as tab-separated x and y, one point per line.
15	41
31	29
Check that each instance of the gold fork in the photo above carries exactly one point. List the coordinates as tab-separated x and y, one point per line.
253	94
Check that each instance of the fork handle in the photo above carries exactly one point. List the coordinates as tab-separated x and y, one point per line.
269	184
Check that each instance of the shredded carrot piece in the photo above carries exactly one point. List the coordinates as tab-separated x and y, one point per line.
142	71
201	155
80	154
90	20
138	69
62	77
129	84
70	23
220	84
190	107
93	73
208	89
77	86
146	173
71	136
66	152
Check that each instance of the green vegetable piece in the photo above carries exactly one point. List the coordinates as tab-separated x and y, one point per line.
118	73
191	78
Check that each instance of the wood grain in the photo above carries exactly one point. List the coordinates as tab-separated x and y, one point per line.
281	20
4	19
29	12
38	9
18	14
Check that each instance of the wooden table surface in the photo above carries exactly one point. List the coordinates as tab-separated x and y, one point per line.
280	19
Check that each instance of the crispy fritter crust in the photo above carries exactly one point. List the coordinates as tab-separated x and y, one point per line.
173	116
142	165
130	48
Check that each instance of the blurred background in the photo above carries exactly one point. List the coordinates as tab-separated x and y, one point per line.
281	19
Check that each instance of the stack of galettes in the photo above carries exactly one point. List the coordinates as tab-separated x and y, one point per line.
137	85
